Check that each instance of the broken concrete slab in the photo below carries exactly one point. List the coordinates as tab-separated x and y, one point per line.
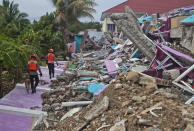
97	109
71	113
129	25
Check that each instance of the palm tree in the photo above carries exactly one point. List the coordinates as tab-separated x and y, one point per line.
69	11
10	12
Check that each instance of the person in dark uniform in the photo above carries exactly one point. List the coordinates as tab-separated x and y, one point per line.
33	67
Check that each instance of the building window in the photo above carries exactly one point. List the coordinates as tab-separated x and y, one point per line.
111	27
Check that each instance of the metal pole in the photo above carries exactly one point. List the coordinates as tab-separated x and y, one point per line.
164	51
184	73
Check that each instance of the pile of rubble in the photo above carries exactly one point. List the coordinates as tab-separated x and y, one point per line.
58	102
133	102
135	84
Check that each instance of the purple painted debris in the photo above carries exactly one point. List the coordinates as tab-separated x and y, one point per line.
110	65
177	53
190	8
118	60
113	54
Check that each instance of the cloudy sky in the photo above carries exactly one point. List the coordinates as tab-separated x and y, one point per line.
37	8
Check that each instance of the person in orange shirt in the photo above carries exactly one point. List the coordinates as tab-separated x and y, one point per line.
50	61
70	51
32	70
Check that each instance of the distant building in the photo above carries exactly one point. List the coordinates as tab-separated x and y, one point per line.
141	7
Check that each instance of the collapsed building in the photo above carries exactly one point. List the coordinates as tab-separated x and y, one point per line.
139	80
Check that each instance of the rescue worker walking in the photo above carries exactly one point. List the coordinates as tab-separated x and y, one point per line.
50	61
32	70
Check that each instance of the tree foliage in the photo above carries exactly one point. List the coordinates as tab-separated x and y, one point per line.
19	38
12	23
68	12
43	35
76	27
12	20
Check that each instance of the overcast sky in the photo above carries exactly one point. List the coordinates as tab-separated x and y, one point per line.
37	8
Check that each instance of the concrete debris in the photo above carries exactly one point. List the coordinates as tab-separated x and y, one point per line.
169	95
98	109
144	122
132	76
46	123
132	29
190	127
70	113
120	126
148	81
132	80
171	74
136	103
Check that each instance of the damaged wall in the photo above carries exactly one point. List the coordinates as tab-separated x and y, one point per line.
188	38
129	25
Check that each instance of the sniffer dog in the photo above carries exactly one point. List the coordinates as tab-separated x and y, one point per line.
27	82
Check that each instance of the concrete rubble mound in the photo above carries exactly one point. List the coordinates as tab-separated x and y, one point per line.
138	80
142	107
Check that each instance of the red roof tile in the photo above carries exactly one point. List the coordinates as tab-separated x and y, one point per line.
150	6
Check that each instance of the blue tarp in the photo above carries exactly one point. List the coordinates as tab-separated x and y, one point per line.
189	19
113	46
94	88
148	18
78	40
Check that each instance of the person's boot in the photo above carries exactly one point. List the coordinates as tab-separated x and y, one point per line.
32	90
